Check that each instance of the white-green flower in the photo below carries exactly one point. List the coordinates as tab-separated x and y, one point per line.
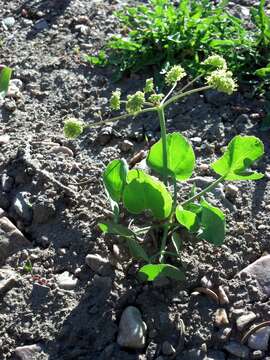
222	80
155	98
135	102
73	128
216	61
149	86
175	74
115	100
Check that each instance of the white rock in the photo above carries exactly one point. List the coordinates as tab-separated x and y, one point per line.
259	340
28	352
132	329
66	281
245	319
95	261
260	271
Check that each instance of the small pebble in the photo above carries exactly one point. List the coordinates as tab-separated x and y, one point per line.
126	146
221	317
167	348
259	340
66	281
132	329
244	320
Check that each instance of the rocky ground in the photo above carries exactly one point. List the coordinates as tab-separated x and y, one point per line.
68	292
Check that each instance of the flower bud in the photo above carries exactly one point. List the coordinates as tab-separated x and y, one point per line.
216	61
73	128
149	86
175	74
135	102
115	100
156	98
222	80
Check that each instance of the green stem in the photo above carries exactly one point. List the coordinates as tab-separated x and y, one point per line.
121	117
201	193
181	95
164	142
163	242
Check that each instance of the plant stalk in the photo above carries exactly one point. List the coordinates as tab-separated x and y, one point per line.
201	193
162	124
163	242
181	94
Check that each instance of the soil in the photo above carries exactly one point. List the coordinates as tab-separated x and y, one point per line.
44	45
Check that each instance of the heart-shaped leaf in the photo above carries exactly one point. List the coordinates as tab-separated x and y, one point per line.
108	227
136	250
151	272
144	192
181	158
186	218
240	154
5	75
114	178
212	221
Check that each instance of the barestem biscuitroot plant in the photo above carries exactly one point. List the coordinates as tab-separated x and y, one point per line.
172	159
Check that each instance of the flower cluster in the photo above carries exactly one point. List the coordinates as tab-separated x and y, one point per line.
222	80
135	102
115	100
149	86
155	99
73	128
175	74
216	61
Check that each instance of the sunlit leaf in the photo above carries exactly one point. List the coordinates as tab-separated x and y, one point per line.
152	272
5	75
144	192
181	158
186	218
114	178
240	154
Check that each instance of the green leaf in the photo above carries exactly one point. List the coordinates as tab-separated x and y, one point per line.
186	218
240	154
114	178
212	221
222	43
5	76
151	272
136	250
181	158
263	72
108	227
144	192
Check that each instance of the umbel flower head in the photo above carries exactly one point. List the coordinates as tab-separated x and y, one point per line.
135	102
222	80
73	128
115	100
216	62
175	74
149	86
156	98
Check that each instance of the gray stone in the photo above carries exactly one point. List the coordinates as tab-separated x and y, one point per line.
244	320
132	329
260	271
41	25
66	281
7	182
4	139
237	349
126	145
215	355
8	22
28	352
22	207
192	354
259	340
95	261
258	354
167	348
